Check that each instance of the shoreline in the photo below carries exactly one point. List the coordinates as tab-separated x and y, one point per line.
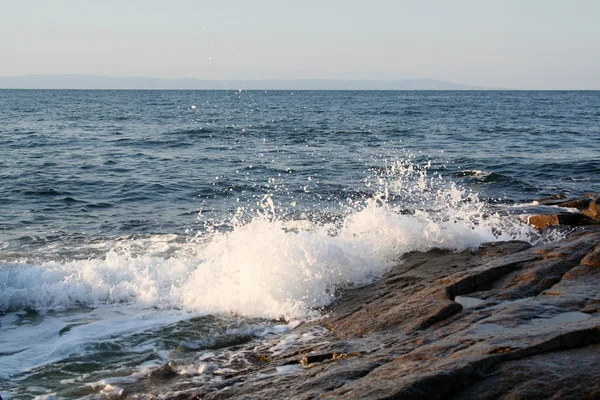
508	319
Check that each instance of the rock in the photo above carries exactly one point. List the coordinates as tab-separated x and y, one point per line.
580	203
564	375
593	210
164	373
588	205
503	248
543	221
506	321
551	200
592	259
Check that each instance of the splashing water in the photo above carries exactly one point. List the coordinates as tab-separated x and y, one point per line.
265	265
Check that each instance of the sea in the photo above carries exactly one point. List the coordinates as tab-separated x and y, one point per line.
139	228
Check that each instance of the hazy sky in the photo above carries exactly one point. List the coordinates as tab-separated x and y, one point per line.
496	43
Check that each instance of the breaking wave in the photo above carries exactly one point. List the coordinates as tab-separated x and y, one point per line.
266	265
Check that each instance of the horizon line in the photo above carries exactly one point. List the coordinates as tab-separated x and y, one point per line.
111	82
93	81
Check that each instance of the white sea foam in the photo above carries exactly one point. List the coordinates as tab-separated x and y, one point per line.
477	173
263	265
31	343
267	266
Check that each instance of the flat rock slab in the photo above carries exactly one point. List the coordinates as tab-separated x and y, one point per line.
506	321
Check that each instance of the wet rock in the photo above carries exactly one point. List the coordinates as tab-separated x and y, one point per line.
164	373
565	375
543	221
551	200
593	210
529	328
580	203
592	259
503	248
587	206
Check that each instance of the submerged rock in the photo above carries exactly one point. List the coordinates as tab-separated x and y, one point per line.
506	321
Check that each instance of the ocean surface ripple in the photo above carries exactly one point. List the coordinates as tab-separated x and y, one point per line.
138	227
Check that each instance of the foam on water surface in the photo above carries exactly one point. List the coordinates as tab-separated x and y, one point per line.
264	265
260	263
31	341
100	192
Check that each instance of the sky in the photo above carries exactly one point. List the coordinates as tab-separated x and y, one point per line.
524	44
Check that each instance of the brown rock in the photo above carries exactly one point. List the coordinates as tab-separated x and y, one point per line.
581	203
563	375
534	332
551	200
593	210
592	259
543	221
503	248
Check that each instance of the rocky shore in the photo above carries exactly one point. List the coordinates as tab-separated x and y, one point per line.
507	320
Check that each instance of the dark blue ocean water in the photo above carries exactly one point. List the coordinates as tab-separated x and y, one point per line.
98	163
129	217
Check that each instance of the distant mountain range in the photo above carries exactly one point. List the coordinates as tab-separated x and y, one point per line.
134	82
